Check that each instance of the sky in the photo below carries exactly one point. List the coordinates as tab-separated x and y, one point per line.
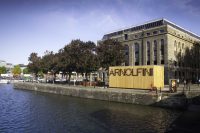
28	26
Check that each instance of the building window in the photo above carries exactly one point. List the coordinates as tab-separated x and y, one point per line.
136	54
155	52
175	48
162	50
126	55
162	31
136	36
148	34
179	45
148	53
155	32
125	36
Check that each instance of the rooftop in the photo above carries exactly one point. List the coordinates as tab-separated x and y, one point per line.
148	25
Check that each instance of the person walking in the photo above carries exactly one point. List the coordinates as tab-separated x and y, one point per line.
184	85
177	82
189	84
199	82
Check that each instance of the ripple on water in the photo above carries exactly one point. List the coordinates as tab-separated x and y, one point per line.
27	111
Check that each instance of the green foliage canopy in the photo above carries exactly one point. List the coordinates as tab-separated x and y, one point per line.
2	70
110	53
16	70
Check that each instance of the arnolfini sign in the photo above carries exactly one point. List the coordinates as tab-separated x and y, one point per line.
139	77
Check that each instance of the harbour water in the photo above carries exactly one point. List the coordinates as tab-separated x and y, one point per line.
31	112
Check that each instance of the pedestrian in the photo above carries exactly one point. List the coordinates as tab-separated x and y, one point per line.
189	84
177	82
199	82
184	84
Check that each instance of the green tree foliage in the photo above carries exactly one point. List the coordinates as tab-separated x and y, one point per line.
48	62
110	53
2	70
16	70
189	59
78	56
88	60
26	71
34	63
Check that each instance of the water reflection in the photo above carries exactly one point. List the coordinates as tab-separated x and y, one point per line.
28	111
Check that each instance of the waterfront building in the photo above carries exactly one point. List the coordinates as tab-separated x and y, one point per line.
2	63
22	67
8	66
157	43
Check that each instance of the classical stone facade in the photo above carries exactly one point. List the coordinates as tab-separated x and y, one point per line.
156	43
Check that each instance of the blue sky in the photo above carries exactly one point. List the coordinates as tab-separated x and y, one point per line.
38	25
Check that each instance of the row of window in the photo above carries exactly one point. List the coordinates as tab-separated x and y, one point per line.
183	37
126	36
156	32
148	52
136	28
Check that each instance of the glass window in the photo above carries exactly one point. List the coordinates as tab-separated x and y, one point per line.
136	54
155	52
148	53
148	34
162	31
125	36
183	46
179	45
162	50
136	36
175	48
126	55
155	32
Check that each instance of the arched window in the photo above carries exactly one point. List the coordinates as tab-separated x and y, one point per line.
179	45
155	52
148	53
175	48
162	50
136	54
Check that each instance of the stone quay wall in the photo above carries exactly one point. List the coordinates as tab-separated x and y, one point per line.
110	94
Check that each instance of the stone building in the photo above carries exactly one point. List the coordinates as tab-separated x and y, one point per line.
156	43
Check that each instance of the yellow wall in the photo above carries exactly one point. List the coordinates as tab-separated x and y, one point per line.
128	80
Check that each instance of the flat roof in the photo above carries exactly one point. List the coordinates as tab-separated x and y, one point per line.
148	25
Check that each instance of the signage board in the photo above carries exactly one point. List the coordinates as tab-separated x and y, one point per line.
139	77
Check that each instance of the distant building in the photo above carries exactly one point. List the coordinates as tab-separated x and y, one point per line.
8	66
157	43
22	67
2	63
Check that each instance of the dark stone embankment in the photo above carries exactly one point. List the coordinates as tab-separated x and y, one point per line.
167	100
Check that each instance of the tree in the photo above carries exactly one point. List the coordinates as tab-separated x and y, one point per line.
34	63
26	71
88	59
71	56
77	56
2	70
190	60
110	53
16	70
49	63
